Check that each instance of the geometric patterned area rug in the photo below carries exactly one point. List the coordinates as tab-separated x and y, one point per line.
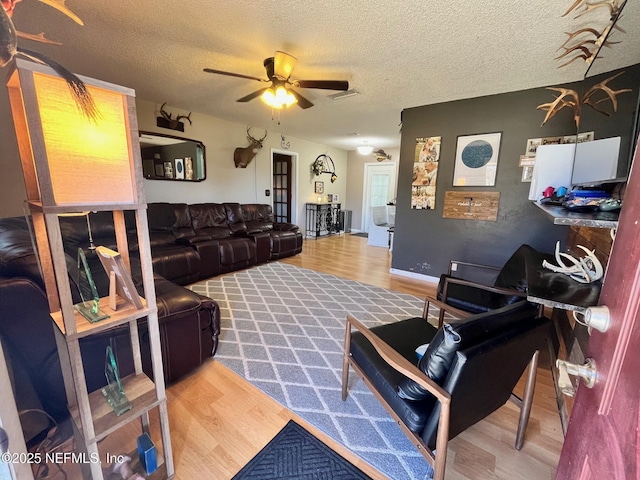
295	454
282	328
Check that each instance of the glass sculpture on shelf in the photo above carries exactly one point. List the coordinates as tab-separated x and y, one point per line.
113	392
88	292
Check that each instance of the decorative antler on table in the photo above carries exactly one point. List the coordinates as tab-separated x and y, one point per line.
584	270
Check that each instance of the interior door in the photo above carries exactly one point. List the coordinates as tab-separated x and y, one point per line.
602	436
380	188
282	177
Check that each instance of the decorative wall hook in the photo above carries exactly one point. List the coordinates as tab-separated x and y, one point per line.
324	164
167	120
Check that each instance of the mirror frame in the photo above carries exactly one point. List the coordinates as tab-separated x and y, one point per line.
198	143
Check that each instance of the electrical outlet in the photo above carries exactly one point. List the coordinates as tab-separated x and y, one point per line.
454	267
267	192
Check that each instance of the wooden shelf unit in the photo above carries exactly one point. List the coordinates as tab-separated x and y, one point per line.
94	418
79	165
125	313
140	392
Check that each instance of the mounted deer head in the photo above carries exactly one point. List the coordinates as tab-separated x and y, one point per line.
167	120
243	156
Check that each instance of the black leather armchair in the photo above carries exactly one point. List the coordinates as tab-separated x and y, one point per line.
468	371
463	296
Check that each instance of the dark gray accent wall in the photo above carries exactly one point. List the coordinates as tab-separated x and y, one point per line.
424	241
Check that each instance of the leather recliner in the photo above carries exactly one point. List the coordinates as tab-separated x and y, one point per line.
189	323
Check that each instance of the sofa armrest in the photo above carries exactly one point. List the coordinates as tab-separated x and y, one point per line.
285	227
193	240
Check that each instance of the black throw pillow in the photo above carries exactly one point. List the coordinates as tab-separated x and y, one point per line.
439	356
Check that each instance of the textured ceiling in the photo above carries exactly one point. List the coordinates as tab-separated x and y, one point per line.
398	54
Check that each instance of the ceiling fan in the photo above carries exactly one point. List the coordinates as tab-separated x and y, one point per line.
280	93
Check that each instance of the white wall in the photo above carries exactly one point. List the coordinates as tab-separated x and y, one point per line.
224	182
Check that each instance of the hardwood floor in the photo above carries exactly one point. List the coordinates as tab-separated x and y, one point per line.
219	421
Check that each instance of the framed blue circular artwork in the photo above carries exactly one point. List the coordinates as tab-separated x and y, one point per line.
477	159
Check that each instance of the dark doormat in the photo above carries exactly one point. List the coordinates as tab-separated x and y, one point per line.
294	453
361	234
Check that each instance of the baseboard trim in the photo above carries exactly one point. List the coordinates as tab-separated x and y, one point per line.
417	276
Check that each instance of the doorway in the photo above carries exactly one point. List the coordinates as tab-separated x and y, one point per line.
379	188
284	185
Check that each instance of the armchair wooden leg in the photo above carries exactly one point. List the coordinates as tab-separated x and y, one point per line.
527	401
345	360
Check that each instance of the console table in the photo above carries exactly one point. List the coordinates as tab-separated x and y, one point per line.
322	219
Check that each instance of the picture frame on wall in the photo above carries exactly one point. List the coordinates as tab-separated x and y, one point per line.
168	170
477	160
179	163
319	187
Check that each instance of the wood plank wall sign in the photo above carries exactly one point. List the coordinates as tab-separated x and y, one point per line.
471	205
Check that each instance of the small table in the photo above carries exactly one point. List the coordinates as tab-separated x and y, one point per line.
558	290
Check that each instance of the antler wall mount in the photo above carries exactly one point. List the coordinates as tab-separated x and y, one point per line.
243	156
592	97
585	44
167	120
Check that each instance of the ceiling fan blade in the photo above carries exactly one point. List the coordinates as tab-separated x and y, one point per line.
251	96
323	84
230	74
283	65
302	102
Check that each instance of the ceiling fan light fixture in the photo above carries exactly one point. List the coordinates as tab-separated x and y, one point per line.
365	149
278	98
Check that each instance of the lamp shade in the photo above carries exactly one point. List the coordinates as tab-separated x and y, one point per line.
278	98
67	158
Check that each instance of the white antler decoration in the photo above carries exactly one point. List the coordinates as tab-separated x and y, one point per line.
584	270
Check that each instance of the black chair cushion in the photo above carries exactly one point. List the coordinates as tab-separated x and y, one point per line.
441	352
403	337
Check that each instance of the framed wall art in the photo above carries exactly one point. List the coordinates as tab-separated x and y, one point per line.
319	187
477	160
425	173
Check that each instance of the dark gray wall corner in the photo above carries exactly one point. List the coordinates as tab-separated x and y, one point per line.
424	241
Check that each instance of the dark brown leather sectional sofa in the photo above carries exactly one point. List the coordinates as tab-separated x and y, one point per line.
198	241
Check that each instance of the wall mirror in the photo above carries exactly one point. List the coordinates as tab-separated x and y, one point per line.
165	157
